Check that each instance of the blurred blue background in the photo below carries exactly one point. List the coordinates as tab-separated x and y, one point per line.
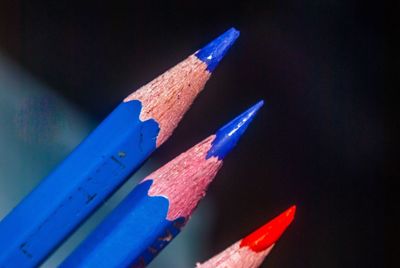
319	141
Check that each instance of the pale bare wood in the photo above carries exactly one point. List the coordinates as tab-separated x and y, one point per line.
169	96
236	257
184	180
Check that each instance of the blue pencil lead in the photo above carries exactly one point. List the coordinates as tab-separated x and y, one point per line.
227	136
214	51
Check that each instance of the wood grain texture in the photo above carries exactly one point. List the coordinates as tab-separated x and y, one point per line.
169	96
185	179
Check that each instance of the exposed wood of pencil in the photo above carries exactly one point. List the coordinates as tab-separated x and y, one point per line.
185	179
169	96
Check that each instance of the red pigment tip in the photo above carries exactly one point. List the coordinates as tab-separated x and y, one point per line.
269	233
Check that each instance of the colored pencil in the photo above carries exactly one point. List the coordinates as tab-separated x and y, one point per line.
251	251
105	159
156	210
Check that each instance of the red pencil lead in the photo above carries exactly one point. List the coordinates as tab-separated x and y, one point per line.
269	233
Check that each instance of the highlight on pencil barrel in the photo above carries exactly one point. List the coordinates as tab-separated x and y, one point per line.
251	251
157	208
105	159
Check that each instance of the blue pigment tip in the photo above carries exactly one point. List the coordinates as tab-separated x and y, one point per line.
227	136
214	51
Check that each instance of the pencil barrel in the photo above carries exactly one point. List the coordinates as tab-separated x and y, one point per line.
95	169
131	236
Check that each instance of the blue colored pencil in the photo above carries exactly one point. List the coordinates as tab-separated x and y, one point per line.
155	211
105	159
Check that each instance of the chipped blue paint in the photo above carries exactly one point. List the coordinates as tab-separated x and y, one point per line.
131	236
95	169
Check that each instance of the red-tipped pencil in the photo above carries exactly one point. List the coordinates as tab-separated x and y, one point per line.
251	251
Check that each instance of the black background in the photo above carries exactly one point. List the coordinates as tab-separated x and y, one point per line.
318	142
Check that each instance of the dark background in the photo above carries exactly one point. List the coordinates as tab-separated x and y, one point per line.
317	143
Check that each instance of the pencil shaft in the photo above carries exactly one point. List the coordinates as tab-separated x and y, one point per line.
77	186
103	161
154	212
131	235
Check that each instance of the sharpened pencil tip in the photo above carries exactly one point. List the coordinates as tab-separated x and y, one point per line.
214	51
268	234
227	136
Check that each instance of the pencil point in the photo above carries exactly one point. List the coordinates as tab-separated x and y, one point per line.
214	51
268	234
227	136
